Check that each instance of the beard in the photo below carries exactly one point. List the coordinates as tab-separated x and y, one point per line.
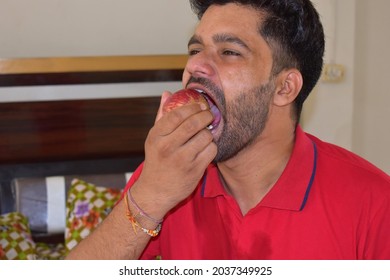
244	120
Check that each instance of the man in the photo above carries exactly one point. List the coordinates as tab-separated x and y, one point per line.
255	186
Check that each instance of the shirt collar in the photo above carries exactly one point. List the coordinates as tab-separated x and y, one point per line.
292	189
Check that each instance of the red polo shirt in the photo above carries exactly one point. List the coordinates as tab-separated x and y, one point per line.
327	204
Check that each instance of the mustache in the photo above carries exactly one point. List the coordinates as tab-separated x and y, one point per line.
212	88
204	82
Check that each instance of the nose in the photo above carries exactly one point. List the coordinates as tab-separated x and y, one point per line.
199	65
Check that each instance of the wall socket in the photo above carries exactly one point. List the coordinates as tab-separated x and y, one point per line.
333	73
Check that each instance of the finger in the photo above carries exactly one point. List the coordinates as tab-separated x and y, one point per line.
198	142
192	136
169	139
192	126
178	119
205	157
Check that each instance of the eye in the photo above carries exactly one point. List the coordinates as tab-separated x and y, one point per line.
230	52
193	52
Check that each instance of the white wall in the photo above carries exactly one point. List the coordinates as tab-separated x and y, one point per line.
328	111
372	101
42	28
354	113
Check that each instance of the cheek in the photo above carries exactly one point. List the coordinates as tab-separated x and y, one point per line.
235	82
234	75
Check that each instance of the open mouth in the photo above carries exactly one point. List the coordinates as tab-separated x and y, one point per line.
214	110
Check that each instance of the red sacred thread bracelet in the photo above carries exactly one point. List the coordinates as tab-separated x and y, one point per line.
134	222
141	212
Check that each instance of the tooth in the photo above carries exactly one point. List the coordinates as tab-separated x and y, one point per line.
210	127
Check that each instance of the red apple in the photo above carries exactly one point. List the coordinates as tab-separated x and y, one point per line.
183	97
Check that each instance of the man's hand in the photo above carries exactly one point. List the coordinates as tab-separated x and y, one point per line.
178	150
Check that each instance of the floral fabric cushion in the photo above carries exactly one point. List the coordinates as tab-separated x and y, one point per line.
50	251
2	254
86	207
16	242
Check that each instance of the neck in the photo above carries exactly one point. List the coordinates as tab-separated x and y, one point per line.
251	174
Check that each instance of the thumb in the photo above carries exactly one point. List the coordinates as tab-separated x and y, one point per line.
165	95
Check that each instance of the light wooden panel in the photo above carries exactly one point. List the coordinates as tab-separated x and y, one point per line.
91	64
90	70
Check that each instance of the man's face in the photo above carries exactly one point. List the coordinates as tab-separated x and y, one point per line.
231	63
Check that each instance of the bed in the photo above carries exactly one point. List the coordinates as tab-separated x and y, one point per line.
48	149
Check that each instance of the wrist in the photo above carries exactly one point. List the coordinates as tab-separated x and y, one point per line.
140	212
134	214
150	205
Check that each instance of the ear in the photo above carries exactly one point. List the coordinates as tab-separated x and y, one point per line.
288	85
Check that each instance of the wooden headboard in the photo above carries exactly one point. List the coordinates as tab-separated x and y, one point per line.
88	136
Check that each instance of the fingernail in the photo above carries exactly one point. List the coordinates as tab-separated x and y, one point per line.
203	106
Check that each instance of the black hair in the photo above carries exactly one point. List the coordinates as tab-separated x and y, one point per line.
294	32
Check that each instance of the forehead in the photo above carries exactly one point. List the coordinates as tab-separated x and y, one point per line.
243	21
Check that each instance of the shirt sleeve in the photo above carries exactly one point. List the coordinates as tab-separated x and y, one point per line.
134	177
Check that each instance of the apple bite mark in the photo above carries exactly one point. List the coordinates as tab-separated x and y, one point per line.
183	97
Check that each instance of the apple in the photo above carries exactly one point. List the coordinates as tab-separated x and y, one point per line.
188	96
183	97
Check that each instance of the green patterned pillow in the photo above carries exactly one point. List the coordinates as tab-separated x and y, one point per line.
86	207
2	254
50	251
15	237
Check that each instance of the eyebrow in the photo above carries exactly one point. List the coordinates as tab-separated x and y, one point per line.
220	38
194	40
